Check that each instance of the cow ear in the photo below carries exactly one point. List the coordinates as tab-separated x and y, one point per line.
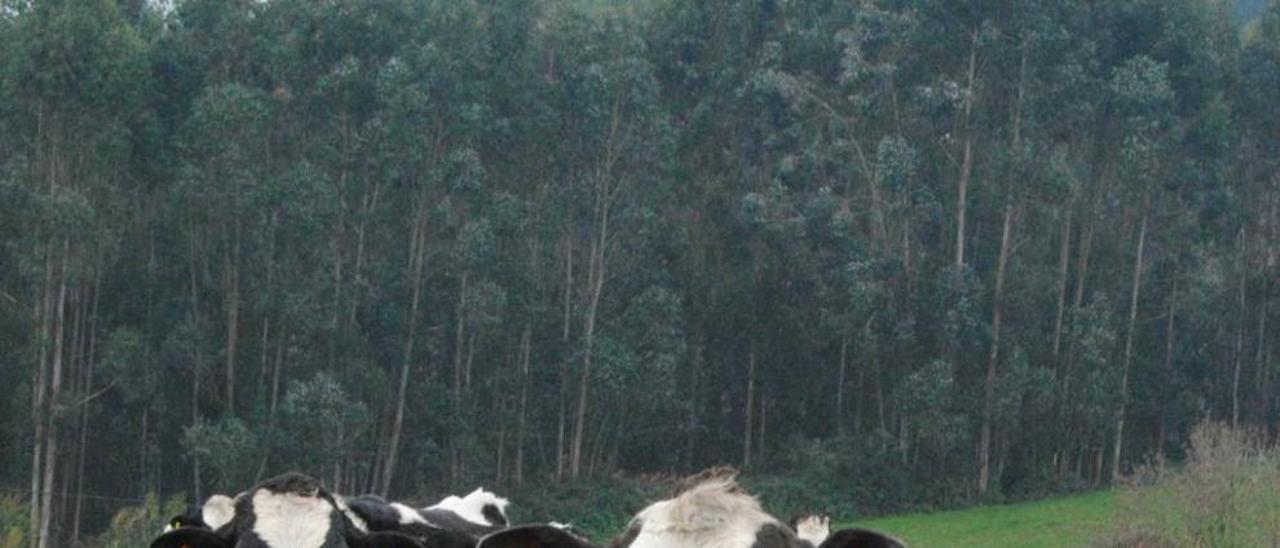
189	537
861	538
532	536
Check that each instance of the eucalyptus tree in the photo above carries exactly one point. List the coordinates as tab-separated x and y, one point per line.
613	141
1143	95
77	72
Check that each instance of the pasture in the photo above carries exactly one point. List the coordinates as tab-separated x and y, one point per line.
1067	521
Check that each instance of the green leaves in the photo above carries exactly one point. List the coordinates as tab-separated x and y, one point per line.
1141	87
127	359
699	182
226	447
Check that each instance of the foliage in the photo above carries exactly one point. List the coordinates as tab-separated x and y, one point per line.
137	525
225	446
413	246
1223	495
13	522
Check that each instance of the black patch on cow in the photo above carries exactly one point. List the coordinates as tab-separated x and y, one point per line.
190	537
533	536
492	513
443	538
384	540
377	514
776	535
446	519
629	536
861	538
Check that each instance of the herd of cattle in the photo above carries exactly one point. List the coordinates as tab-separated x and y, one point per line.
708	510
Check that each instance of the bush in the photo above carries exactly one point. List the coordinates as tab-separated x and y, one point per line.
14	517
139	525
1225	495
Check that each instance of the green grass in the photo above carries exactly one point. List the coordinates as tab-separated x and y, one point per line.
1067	521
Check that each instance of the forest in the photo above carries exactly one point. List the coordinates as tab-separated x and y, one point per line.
891	253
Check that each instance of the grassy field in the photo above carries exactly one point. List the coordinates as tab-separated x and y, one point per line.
1067	521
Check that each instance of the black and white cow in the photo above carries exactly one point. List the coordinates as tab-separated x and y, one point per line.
287	511
535	536
378	515
477	514
709	510
216	511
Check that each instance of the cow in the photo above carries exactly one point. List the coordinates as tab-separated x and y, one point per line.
288	511
378	515
535	536
709	510
477	514
216	511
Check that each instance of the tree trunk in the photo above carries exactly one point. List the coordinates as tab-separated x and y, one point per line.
966	165
417	252
761	451
274	394
90	360
840	414
526	348
1168	367
195	352
142	452
695	375
595	280
55	394
232	264
1064	256
989	387
459	348
1128	342
1260	355
1066	412
564	363
39	413
459	345
750	409
1239	353
368	204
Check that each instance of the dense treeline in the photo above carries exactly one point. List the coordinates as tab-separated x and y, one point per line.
917	250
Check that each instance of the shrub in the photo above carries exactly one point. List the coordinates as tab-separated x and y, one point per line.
1224	495
599	508
138	525
14	516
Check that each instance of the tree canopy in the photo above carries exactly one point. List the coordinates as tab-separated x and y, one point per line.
919	251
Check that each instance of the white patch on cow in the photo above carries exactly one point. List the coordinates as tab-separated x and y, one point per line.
561	526
471	506
355	518
218	511
407	515
287	519
168	528
814	529
713	514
